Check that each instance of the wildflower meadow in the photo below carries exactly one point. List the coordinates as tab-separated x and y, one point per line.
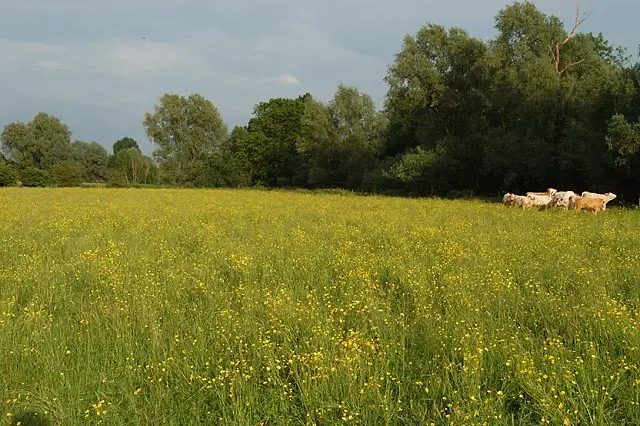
242	307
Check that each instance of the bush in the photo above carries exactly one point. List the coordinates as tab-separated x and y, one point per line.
8	175
66	173
32	176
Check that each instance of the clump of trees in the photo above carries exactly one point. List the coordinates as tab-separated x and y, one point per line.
40	152
539	105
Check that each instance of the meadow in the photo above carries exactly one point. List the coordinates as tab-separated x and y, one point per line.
238	307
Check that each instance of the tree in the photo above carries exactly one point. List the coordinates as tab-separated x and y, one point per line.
623	138
125	143
549	107
131	167
92	158
562	66
437	100
222	169
245	154
271	142
342	140
184	130
614	55
40	143
528	109
317	145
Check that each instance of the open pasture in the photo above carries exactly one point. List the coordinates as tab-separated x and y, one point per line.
191	307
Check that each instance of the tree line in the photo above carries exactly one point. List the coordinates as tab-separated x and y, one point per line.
539	105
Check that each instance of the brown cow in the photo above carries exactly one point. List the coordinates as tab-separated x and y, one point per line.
592	204
606	197
520	201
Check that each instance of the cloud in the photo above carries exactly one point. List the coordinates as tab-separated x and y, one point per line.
284	79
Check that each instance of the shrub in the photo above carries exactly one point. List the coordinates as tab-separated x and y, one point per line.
32	176
66	173
8	175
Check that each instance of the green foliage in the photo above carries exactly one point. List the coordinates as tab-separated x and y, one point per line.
92	158
623	138
615	55
185	130
357	144
8	175
125	143
40	143
222	169
130	167
510	113
437	98
415	169
272	141
32	176
303	142
66	173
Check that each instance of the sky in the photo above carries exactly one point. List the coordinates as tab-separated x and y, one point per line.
100	65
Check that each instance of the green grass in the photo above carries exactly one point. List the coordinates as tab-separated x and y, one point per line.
232	307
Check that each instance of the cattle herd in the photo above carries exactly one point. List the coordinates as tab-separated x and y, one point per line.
589	201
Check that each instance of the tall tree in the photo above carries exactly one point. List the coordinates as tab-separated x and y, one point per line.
40	143
436	100
271	143
551	95
342	139
185	130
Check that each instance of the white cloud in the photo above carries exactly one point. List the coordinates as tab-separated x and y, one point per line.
16	55
288	79
284	79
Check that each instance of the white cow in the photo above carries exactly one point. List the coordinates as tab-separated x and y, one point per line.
508	199
561	199
539	200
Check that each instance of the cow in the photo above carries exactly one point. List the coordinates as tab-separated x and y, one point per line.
539	200
508	199
594	204
520	201
608	196
561	199
549	192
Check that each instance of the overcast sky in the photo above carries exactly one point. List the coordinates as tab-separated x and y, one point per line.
100	65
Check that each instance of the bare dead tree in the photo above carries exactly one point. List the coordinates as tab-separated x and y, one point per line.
555	50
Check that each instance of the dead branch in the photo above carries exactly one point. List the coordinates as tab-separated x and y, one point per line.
566	67
555	51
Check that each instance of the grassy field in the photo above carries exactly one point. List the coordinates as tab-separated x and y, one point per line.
192	307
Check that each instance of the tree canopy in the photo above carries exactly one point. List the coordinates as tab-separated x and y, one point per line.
184	130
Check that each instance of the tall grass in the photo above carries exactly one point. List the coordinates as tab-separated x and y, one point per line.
191	307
